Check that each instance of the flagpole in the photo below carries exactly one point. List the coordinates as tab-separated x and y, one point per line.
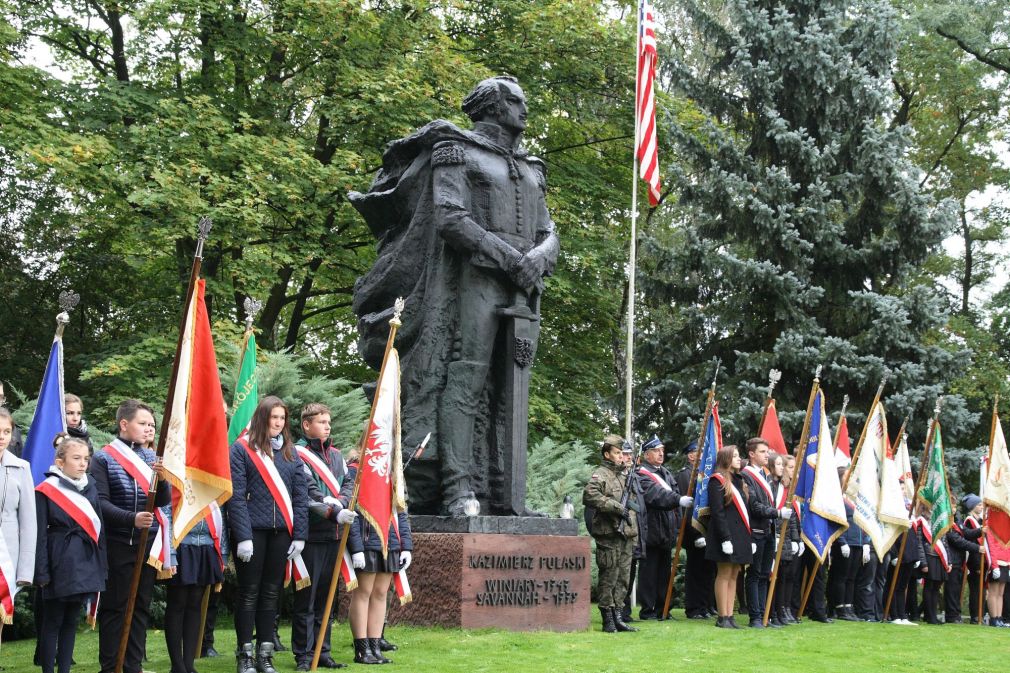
798	451
809	585
629	349
203	229
985	512
675	561
394	324
923	468
862	435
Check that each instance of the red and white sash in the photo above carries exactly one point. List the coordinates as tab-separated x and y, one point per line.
8	584
971	523
136	467
738	500
320	468
215	524
272	478
80	509
759	477
655	477
780	496
402	587
938	546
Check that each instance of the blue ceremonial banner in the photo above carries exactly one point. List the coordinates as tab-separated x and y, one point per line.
706	457
50	416
822	512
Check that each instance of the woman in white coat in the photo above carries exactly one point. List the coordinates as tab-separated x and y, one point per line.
17	509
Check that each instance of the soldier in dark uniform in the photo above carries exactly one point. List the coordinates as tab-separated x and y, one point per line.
662	502
699	572
615	529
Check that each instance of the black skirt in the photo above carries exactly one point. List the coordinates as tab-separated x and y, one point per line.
198	564
1004	574
375	562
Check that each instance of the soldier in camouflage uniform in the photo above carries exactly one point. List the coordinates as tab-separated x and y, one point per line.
603	496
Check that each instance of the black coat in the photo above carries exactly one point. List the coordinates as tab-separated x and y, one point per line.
67	561
691	533
661	506
252	505
725	523
960	545
763	513
975	557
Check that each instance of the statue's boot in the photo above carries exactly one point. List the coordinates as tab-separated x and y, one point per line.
463	386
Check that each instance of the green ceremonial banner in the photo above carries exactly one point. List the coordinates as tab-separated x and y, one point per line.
246	391
935	493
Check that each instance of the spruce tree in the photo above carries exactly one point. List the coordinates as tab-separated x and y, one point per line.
794	227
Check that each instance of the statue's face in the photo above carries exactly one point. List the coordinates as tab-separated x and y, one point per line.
513	109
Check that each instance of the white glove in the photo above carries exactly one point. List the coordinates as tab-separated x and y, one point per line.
727	548
686	501
917	564
803	548
995	573
700	543
846	551
753	548
405	558
244	551
785	513
795	546
295	549
358	560
866	554
347	516
332	502
894	561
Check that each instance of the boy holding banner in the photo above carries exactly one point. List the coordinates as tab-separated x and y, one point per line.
324	473
122	472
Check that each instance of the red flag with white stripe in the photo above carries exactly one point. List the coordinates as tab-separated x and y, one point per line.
645	107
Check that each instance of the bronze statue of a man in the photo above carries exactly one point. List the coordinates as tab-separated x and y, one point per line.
465	235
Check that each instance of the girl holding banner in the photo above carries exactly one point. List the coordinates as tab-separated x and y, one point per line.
268	520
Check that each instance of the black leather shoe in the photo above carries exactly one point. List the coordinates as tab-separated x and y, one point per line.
326	661
621	625
697	616
363	653
756	624
209	653
823	619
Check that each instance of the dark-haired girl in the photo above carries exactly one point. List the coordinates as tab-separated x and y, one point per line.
728	540
268	521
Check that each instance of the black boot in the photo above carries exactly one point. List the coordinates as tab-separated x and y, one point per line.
732	623
373	645
722	623
619	622
608	621
265	658
245	662
363	653
278	645
385	645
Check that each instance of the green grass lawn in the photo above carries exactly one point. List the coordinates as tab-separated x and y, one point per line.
682	645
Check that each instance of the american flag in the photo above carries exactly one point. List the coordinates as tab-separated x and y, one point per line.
645	108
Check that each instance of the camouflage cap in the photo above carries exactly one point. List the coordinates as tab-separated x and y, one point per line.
613	440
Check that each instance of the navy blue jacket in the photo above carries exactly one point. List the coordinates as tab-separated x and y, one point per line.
67	561
252	506
362	536
854	536
121	498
